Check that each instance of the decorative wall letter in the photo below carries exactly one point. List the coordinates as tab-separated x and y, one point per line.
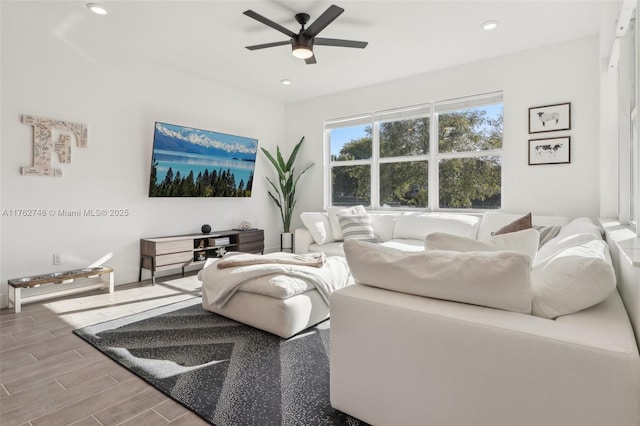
42	145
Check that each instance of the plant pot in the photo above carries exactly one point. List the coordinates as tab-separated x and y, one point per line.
286	242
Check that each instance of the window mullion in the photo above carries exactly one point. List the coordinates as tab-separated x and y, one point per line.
432	180
375	166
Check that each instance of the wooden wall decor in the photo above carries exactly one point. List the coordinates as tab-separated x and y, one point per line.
43	145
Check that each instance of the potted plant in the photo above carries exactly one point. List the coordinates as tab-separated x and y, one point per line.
284	193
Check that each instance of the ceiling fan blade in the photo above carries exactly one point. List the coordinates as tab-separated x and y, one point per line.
264	46
269	22
340	43
323	20
311	60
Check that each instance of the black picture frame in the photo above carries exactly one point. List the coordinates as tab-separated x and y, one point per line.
550	151
550	118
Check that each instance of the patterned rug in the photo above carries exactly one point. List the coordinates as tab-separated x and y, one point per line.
226	372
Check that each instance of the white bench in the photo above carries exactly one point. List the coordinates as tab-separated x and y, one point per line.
66	277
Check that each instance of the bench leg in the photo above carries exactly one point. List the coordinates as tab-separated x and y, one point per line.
14	299
111	282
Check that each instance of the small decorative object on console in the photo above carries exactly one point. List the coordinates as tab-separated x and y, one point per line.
205	229
244	225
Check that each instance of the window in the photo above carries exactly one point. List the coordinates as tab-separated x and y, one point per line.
350	154
629	150
470	153
388	159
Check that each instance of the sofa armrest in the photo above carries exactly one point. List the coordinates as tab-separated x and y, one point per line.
403	359
302	239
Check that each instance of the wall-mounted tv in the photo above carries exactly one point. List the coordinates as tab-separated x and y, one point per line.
190	162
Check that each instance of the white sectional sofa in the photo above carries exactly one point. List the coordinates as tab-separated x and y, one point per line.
403	230
401	357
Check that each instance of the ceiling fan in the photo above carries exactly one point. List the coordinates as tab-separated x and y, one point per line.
303	42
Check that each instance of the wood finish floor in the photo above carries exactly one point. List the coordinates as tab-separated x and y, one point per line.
49	376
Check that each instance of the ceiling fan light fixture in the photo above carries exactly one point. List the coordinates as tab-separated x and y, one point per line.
302	52
302	47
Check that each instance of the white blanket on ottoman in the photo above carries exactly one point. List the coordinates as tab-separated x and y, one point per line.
220	284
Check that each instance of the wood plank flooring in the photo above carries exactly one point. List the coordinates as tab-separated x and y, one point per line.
51	377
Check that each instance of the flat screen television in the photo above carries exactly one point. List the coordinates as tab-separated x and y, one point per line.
190	162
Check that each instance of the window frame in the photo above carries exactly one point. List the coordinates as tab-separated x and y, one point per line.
429	110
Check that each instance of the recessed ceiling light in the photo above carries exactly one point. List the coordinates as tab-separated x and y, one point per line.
489	25
285	81
98	9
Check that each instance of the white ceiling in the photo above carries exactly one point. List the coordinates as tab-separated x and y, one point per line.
207	38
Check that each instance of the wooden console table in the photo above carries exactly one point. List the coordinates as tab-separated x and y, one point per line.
181	251
17	284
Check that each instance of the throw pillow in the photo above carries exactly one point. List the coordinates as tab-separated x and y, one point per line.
547	233
573	279
561	243
318	225
517	225
333	213
581	225
357	227
493	279
525	241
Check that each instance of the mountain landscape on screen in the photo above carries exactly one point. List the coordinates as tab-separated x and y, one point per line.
189	162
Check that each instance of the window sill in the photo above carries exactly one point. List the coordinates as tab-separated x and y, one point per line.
624	237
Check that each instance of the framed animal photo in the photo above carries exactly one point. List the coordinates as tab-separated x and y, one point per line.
550	151
550	118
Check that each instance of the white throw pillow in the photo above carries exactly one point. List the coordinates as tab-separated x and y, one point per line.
383	225
333	213
418	226
525	241
356	227
560	243
573	279
581	225
318	225
493	279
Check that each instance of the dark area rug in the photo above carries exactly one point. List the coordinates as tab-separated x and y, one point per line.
226	372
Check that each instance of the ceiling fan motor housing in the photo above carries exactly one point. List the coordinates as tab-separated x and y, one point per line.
301	41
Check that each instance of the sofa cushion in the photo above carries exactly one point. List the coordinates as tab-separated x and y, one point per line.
333	212
493	279
519	224
405	244
525	241
492	221
319	226
357	227
573	278
418	225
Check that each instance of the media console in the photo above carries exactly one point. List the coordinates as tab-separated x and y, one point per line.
181	251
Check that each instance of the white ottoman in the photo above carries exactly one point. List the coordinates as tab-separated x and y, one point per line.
283	317
282	299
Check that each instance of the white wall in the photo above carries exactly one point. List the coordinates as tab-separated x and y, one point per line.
566	72
119	98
